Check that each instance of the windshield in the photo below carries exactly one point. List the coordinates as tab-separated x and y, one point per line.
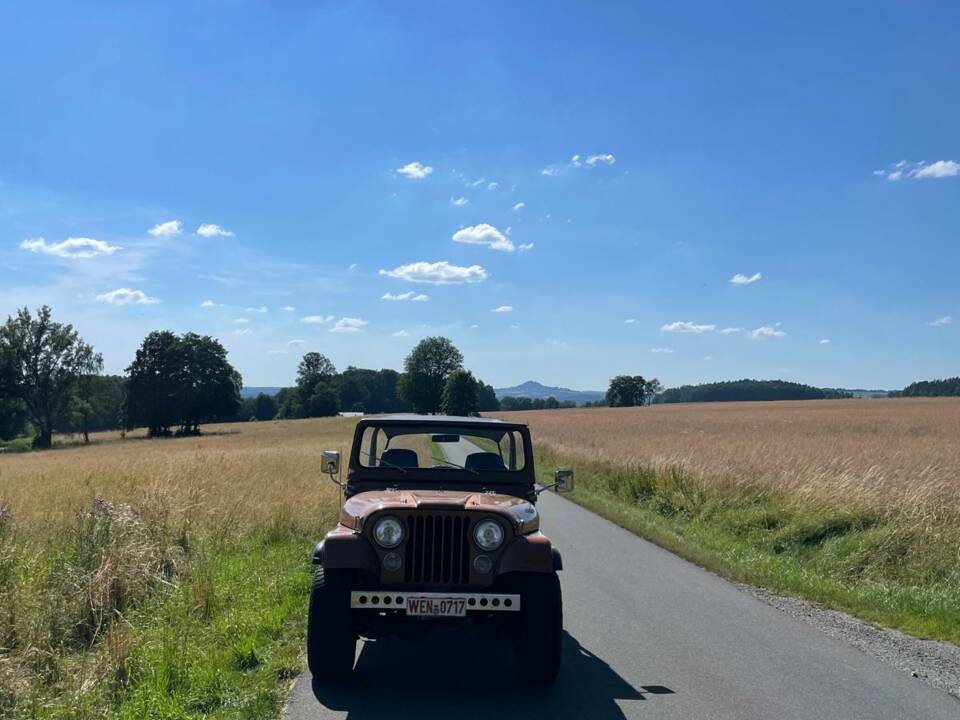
406	447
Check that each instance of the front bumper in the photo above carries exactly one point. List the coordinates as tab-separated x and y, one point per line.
397	600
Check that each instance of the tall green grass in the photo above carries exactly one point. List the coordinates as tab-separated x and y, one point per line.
894	568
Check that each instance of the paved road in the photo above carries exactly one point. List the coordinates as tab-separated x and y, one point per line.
648	635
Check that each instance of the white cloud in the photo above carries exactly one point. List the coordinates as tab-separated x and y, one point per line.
349	325
400	334
459	202
397	297
825	341
126	296
71	247
415	171
741	279
895	175
243	331
550	171
474	327
525	247
241	320
483	234
493	186
316	319
422	297
262	309
681	326
209	230
295	343
767	331
166	229
210	304
289	308
602	159
437	273
519	206
940	322
661	350
730	330
503	309
630	321
353	266
938	169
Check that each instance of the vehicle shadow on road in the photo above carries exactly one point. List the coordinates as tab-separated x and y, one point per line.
451	674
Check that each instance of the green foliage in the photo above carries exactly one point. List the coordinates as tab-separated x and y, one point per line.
627	391
737	390
324	402
41	362
426	370
932	388
486	398
524	403
180	381
13	418
460	394
314	369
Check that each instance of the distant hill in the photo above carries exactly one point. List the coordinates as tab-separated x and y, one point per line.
740	390
254	391
538	391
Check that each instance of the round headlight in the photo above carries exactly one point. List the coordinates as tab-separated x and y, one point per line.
388	532
488	535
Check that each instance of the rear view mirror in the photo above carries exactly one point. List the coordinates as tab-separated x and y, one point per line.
563	480
330	462
445	438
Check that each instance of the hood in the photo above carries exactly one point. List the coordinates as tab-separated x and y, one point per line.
521	514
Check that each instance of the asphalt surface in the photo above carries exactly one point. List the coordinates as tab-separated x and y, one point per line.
647	635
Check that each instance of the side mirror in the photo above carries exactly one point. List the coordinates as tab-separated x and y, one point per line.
330	462
563	480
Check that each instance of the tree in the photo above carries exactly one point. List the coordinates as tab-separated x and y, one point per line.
486	398
264	407
44	360
460	394
324	402
426	370
627	391
98	404
314	369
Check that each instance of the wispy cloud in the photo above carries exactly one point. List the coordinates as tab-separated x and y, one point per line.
289	308
741	279
126	296
661	350
209	230
316	319
295	343
262	309
940	322
243	331
415	171
483	234
400	334
349	325
241	320
210	304
525	247
681	326
920	170
551	170
493	186
602	159
825	341
437	273
767	332
166	229
630	321
72	248
459	202
395	297
519	206
422	297
730	330
579	161
503	309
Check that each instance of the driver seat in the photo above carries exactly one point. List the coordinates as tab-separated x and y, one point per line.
399	457
484	461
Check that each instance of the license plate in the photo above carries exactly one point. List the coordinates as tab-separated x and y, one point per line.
436	606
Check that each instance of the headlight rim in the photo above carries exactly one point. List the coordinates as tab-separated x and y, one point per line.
400	539
490	548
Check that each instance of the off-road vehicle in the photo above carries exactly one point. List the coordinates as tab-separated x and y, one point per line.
438	526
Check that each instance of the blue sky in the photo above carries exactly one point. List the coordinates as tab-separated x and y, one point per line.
603	170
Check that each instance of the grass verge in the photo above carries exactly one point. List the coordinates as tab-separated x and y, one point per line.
892	569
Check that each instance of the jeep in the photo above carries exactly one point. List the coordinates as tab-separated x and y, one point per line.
438	525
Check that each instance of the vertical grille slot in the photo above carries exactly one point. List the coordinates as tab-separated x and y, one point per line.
437	550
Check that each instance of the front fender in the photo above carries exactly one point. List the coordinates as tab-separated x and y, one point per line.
342	548
528	553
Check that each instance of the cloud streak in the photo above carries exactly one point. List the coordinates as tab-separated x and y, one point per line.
437	273
483	234
71	248
126	296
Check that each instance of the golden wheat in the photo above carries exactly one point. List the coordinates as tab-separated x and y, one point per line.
893	456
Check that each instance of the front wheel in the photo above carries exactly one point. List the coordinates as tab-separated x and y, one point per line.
331	639
538	634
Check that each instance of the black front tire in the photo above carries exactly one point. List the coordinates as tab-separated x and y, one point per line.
331	638
538	633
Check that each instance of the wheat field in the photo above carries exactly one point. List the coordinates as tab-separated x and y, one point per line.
889	455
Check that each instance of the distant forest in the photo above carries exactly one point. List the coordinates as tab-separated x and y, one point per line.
738	390
931	388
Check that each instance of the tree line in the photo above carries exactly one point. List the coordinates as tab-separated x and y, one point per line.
748	390
948	387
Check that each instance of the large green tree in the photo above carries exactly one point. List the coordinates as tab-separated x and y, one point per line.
426	370
627	391
43	360
460	396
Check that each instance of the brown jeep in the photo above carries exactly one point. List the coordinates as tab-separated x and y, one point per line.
439	525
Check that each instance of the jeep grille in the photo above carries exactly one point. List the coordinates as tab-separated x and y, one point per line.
438	549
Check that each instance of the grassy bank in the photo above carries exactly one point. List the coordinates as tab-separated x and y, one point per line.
893	568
